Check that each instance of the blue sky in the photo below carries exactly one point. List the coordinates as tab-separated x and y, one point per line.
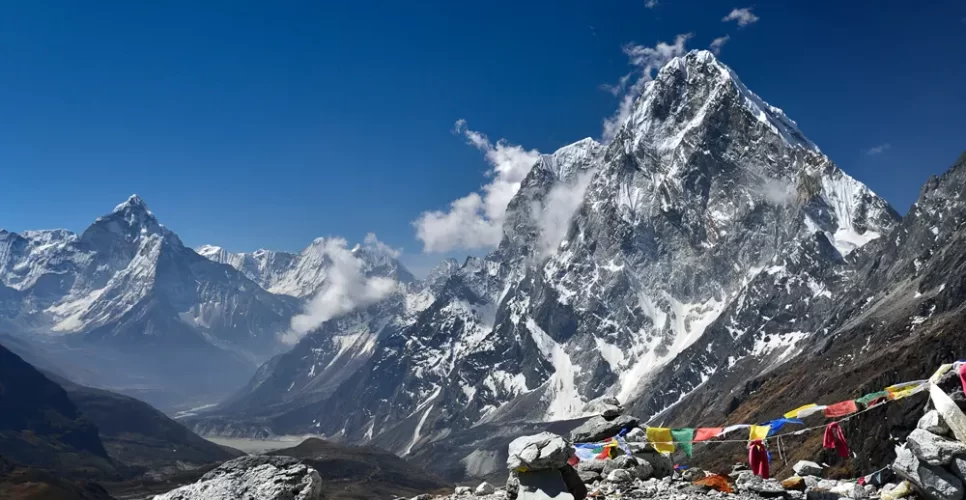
266	124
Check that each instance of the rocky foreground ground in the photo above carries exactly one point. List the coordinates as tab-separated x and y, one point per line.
930	464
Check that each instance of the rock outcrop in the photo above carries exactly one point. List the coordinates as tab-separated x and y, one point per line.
254	478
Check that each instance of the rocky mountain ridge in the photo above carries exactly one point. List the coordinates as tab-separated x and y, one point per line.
710	222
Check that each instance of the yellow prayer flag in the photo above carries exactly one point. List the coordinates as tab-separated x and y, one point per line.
758	432
660	438
794	413
940	372
905	390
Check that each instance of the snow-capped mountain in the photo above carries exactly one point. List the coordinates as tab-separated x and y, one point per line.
128	283
302	275
709	212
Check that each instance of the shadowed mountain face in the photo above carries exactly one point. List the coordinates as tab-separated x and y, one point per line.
55	436
41	427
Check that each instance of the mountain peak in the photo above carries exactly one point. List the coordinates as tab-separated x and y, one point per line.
133	203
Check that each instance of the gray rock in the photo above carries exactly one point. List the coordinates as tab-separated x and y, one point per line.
820	494
661	465
636	435
621	462
598	428
807	468
812	481
768	488
591	465
933	482
485	488
542	451
958	467
512	486
692	474
254	478
642	471
588	476
463	490
424	496
933	423
746	478
619	476
795	495
543	485
933	449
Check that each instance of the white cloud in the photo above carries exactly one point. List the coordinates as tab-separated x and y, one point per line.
346	288
476	220
557	210
743	16
650	4
875	150
717	43
646	60
373	242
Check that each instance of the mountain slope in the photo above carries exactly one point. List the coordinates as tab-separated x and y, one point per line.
302	274
41	427
129	292
899	316
710	221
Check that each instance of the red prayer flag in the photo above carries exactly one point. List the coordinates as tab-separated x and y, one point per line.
841	409
706	433
962	376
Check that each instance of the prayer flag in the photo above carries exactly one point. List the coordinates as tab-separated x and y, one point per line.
758	432
706	433
660	438
683	438
841	409
795	413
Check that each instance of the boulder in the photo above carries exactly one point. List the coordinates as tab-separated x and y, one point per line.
463	490
636	435
958	467
933	482
820	494
512	486
542	485
812	481
485	488
544	451
642	471
807	468
768	488
661	465
620	476
692	474
588	476
794	483
254	478
591	465
621	462
598	428
933	423
934	449
424	496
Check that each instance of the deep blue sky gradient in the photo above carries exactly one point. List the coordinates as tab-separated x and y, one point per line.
265	124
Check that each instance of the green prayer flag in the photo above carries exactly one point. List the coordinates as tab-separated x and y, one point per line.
683	438
868	398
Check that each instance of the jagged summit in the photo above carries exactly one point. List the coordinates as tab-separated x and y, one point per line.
697	88
132	203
